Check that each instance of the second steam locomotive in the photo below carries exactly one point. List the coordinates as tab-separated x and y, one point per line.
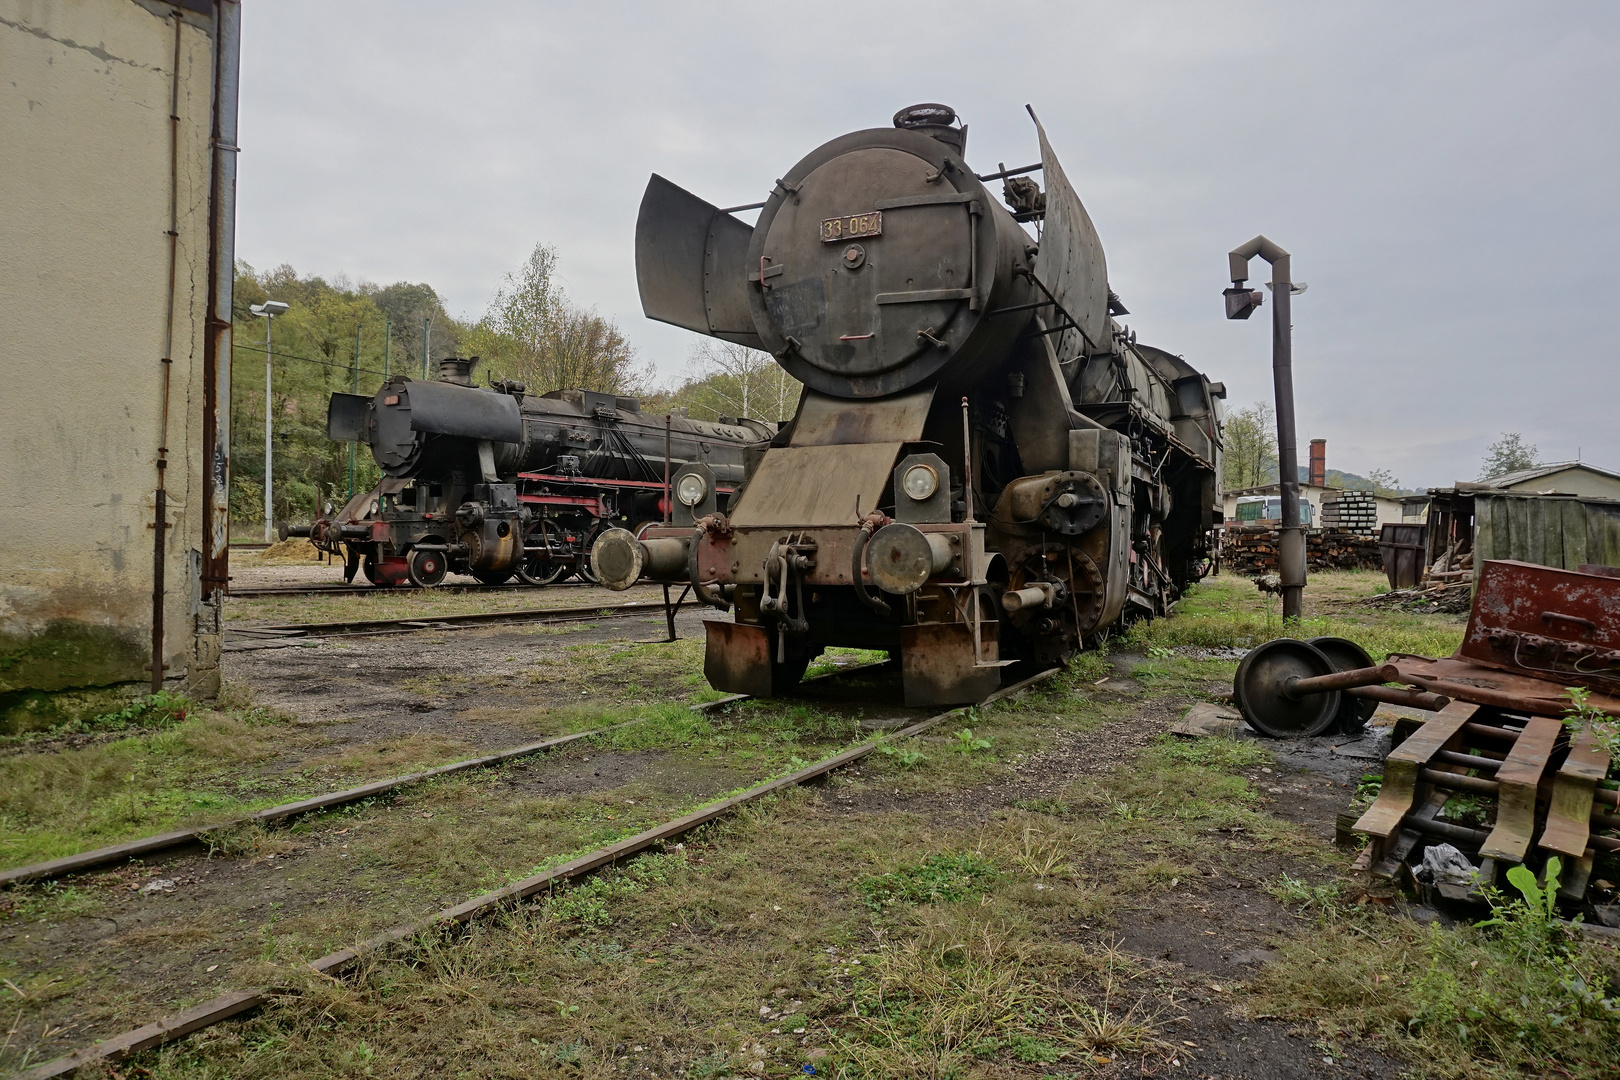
496	482
986	467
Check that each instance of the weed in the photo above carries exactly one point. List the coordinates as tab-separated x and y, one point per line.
966	743
1324	900
907	756
1581	713
939	879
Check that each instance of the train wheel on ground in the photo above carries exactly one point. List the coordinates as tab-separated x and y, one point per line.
368	567
1261	690
1346	655
493	577
426	568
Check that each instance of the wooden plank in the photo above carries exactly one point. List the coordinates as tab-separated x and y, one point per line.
1517	779
1399	790
1569	814
1572	530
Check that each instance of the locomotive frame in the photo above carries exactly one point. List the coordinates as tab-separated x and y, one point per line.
494	482
986	468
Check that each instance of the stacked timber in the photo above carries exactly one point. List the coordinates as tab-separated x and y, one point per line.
1252	549
1352	511
1451	597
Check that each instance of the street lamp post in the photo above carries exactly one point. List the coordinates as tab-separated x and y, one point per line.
269	310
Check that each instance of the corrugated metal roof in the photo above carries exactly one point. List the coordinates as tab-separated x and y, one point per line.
1507	480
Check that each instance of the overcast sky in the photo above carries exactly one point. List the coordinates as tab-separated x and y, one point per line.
1444	173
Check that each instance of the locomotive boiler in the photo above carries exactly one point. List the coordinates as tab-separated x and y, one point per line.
985	467
494	481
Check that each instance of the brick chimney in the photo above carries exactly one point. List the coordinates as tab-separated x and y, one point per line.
1318	474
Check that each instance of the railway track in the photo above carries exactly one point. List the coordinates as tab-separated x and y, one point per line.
246	638
251	592
147	845
336	965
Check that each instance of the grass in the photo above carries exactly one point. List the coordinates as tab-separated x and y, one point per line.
1228	611
1464	1001
898	921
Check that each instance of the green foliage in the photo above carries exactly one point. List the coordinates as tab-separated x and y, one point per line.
336	336
907	757
940	879
1324	899
592	904
1250	454
726	379
1514	996
1580	713
533	332
1509	454
966	743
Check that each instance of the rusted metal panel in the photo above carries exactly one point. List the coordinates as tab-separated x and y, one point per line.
807	486
828	421
937	663
737	658
691	261
1517	779
1559	625
1464	680
1071	265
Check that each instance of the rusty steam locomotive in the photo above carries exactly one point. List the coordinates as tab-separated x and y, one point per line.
985	466
495	481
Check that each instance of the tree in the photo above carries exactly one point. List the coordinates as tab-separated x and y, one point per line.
727	379
1249	454
534	333
1508	454
315	356
1384	483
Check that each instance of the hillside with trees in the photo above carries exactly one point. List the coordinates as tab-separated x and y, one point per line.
343	336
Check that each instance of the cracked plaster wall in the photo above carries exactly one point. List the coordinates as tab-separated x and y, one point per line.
84	212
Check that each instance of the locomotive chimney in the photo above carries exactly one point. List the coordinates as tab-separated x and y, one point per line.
456	369
1318	476
936	120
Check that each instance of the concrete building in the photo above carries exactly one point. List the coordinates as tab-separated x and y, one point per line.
117	217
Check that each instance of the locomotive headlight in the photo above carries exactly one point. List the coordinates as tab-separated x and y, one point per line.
691	489
920	483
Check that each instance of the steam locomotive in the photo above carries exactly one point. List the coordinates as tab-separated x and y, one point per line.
985	467
495	481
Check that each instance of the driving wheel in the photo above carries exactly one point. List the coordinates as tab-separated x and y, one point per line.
426	568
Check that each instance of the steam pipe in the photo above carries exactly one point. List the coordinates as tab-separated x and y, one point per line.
221	281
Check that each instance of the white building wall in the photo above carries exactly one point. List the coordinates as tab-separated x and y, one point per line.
85	187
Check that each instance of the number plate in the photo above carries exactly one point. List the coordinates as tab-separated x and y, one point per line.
852	227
